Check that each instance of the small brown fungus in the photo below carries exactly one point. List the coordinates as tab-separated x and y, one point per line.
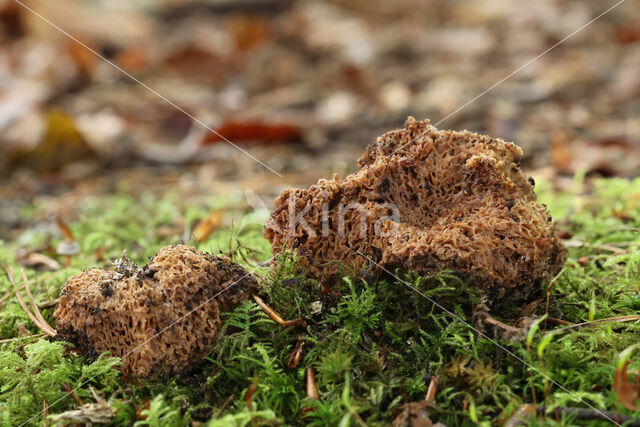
164	316
426	200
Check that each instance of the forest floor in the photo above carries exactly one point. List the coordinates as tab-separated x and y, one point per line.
103	150
374	349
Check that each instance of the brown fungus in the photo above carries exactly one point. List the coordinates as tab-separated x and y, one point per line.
425	200
164	316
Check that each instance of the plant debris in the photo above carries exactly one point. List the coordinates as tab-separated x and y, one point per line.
627	391
426	200
164	316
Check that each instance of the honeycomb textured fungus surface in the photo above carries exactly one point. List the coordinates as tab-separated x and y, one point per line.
162	317
425	200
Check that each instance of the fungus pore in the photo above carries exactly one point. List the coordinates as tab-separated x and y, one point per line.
164	316
425	200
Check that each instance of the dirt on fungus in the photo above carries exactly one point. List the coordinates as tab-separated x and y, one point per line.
162	317
426	200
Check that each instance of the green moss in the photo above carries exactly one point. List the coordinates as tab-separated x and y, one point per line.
35	374
373	344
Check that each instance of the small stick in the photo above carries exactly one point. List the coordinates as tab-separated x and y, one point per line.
224	405
46	329
71	392
4	299
629	318
275	317
45	412
64	228
494	322
592	414
23	330
4	341
49	304
558	321
296	356
248	397
433	389
36	310
312	385
575	243
552	283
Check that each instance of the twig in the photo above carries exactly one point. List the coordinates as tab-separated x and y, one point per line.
224	405
45	327
359	419
629	318
48	304
4	341
548	296
494	322
312	385
519	418
606	247
296	356
592	414
248	397
558	321
433	389
275	317
71	392
45	412
4	299
36	310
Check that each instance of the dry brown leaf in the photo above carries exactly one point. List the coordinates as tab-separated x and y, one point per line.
235	130
37	261
561	156
626	391
84	60
415	414
249	31
208	225
61	144
100	413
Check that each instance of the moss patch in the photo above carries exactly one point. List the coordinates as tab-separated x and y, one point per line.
373	348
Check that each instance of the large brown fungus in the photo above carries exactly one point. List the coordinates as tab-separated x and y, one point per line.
426	200
165	316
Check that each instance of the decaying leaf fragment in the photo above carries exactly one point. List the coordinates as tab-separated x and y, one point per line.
626	390
100	412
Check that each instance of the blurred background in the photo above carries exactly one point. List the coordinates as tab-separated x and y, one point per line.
301	85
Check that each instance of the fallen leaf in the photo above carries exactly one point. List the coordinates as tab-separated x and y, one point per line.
195	62
628	33
626	391
249	31
254	131
208	225
415	414
84	60
622	216
88	413
134	59
61	145
11	19
36	261
561	156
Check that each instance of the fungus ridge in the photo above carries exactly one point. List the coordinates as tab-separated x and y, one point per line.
425	200
165	316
